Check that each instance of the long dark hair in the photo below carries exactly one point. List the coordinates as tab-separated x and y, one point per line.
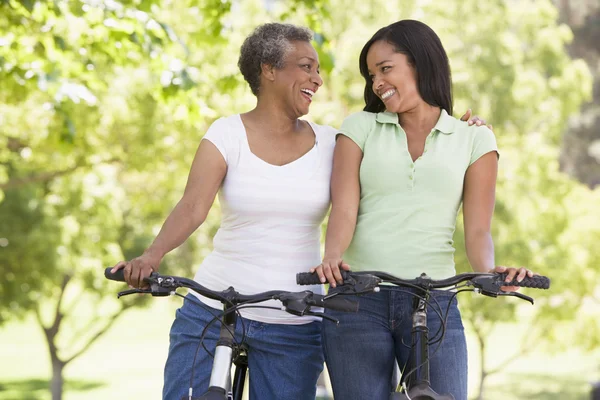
424	50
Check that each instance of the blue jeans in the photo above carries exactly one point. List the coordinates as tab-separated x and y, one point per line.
360	352
284	361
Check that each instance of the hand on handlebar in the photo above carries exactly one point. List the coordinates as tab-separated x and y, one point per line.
520	274
329	270
135	270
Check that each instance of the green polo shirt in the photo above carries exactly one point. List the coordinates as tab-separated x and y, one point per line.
407	212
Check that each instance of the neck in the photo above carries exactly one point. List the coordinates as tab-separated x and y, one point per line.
422	118
272	117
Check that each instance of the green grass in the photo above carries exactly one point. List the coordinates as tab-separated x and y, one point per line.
127	363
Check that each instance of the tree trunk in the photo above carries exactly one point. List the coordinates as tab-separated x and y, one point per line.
580	150
482	372
51	332
56	385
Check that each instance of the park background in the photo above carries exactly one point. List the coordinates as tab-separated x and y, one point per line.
103	103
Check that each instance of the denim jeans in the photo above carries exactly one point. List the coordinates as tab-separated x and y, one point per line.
360	352
284	361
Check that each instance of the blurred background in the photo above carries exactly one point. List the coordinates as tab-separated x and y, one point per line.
103	103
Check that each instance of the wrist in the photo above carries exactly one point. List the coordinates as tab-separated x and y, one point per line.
154	254
332	256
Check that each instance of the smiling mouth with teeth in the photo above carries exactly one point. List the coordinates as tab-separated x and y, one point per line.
387	94
309	93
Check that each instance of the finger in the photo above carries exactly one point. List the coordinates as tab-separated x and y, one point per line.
509	288
118	266
530	273
149	272
522	274
127	273
144	273
135	275
329	275
319	271
312	270
466	116
510	275
490	127
345	266
500	269
479	122
337	274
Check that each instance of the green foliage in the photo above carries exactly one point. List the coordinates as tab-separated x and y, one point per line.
102	105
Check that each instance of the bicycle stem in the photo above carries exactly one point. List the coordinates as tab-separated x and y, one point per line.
221	370
419	373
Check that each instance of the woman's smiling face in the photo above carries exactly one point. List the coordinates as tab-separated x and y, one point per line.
394	78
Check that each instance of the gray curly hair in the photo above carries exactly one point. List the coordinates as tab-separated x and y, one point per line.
268	44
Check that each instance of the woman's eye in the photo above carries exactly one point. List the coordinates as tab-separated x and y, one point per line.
383	69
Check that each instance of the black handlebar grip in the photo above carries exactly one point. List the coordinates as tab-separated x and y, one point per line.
536	281
307	278
339	303
117	276
311	278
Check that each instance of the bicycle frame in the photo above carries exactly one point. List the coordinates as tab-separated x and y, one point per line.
416	372
227	351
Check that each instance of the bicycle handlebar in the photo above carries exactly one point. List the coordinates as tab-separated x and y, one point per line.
536	281
489	284
297	303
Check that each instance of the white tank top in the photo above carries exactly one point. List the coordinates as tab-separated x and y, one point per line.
271	218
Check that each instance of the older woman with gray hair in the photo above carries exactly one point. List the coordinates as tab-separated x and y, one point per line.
271	170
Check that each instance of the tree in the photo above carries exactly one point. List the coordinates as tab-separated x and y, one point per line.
102	104
580	150
59	226
92	93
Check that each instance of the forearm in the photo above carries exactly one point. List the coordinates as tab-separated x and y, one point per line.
177	228
340	230
480	251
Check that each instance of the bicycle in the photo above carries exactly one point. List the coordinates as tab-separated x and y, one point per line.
414	383
228	350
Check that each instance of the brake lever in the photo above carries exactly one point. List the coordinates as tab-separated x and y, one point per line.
518	295
159	287
359	284
296	303
322	315
132	291
490	285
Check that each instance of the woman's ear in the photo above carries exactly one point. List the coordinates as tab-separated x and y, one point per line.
268	71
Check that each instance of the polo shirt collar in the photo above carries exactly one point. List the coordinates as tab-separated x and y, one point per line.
387	117
445	123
